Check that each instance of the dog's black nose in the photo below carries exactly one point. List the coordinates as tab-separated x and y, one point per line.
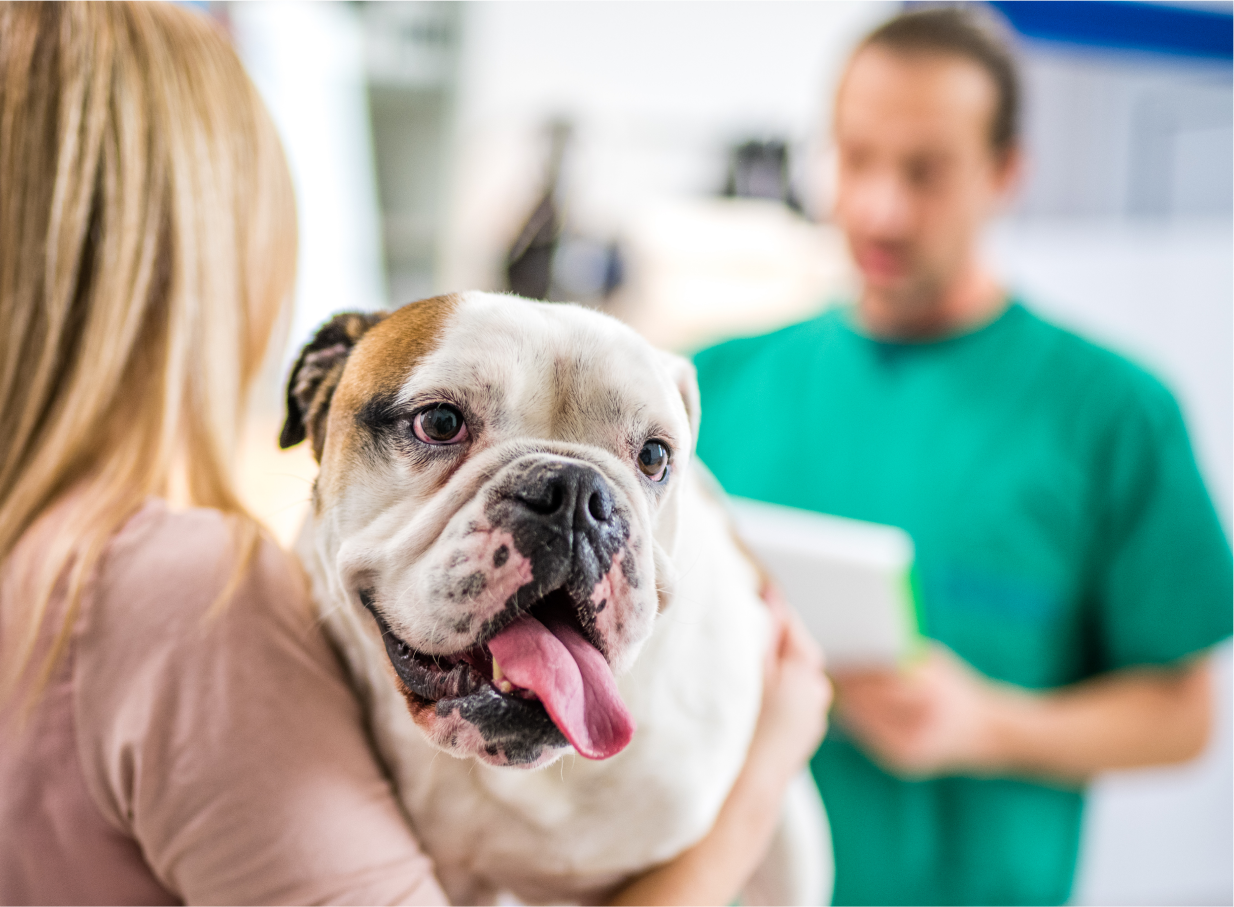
572	495
565	518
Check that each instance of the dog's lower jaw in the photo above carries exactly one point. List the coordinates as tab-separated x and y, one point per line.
496	729
476	720
463	704
453	727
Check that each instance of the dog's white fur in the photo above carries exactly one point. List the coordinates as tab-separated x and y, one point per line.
688	647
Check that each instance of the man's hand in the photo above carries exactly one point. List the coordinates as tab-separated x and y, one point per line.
941	717
935	717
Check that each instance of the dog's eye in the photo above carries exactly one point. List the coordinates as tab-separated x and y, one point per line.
653	460
440	424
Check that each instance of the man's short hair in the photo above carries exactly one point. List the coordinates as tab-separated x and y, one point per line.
977	36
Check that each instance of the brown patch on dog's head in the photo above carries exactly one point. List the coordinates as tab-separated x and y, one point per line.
385	347
377	368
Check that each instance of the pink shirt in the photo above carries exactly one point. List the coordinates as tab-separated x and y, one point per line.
177	758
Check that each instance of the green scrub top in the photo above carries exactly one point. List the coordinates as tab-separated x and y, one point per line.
1061	528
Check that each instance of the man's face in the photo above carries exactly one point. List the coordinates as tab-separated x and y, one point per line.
916	173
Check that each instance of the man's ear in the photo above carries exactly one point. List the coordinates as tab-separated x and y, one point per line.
315	375
682	372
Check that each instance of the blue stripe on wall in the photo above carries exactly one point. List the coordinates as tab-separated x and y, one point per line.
1124	25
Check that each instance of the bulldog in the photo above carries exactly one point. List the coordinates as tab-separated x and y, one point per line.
538	596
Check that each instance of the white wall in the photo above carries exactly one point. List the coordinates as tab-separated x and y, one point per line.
1115	133
657	92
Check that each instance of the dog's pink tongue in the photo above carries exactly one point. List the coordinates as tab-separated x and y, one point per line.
573	681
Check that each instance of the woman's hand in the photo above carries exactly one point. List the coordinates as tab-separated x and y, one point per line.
796	694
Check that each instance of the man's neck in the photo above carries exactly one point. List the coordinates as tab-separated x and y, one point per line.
965	304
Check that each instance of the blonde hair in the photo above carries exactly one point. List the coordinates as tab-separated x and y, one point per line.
147	243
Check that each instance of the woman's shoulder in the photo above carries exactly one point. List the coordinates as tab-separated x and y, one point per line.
196	546
193	555
176	577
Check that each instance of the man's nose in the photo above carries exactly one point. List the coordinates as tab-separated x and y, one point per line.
881	206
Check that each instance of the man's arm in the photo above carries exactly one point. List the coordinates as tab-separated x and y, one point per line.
942	717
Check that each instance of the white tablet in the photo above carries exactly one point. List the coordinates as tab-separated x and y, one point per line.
849	580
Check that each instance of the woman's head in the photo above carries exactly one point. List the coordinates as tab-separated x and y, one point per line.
147	242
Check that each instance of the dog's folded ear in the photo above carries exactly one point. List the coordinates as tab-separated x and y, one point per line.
682	372
316	374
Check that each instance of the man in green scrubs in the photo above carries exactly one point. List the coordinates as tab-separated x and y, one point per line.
1072	571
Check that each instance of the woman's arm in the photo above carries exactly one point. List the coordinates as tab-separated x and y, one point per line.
793	718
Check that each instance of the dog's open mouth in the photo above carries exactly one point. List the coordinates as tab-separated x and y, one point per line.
541	662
